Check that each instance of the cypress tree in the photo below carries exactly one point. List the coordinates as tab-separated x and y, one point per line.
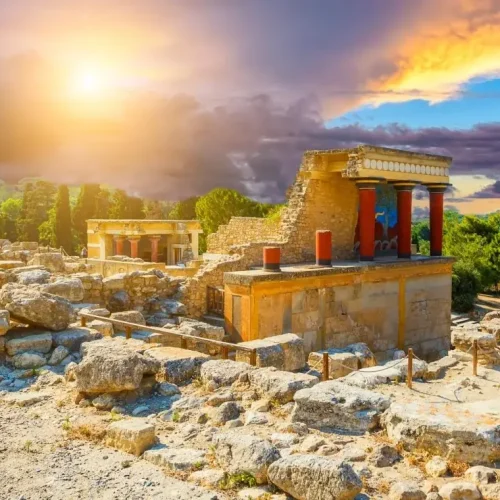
85	208
62	224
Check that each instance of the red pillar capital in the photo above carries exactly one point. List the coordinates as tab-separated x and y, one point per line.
367	202
436	207
404	193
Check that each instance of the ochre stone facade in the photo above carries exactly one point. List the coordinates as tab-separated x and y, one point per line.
386	305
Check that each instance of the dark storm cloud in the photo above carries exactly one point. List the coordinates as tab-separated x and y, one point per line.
170	148
491	191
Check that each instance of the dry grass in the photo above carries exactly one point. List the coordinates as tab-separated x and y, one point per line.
457	468
86	432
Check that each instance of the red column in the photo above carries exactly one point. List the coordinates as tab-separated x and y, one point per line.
404	190
134	247
323	248
436	196
119	245
154	248
367	200
272	257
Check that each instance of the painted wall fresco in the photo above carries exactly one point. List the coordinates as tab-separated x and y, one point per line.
386	221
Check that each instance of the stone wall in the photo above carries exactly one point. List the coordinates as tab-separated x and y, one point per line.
135	290
318	200
241	231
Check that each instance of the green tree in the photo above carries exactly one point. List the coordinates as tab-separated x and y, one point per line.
46	230
38	199
219	205
156	210
184	210
103	204
10	213
85	209
125	207
62	221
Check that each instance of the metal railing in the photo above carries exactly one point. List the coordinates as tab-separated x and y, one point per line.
130	327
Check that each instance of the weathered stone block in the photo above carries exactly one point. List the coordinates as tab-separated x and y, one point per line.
40	342
293	350
130	317
4	322
224	371
340	363
180	459
336	405
132	436
268	354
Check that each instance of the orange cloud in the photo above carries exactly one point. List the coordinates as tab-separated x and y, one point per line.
435	60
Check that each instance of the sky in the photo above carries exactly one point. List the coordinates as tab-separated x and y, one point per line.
171	98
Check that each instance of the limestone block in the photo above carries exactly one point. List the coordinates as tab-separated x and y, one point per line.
268	353
310	477
437	369
340	363
26	360
336	405
224	371
481	475
103	327
279	385
58	354
129	316
25	398
293	350
406	491
37	341
463	339
115	282
68	288
177	365
237	453
53	261
460	490
36	276
73	338
181	459
132	436
467	432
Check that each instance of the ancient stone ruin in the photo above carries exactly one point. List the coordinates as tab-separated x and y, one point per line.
295	363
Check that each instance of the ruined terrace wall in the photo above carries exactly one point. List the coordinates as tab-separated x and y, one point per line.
241	231
318	200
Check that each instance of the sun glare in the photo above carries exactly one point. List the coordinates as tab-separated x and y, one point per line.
89	82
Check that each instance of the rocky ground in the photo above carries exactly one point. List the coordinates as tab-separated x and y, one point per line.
53	448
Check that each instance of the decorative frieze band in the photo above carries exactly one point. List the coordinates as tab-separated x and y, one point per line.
395	166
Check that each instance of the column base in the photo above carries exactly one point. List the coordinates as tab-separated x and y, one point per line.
404	255
275	268
436	254
366	258
324	262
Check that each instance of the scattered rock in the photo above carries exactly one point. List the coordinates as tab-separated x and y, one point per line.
460	490
68	288
335	405
103	327
261	405
487	354
481	475
383	456
277	385
36	308
232	424
53	261
34	341
109	365
166	389
181	459
25	398
211	478
225	412
27	360
132	436
177	365
140	409
218	399
224	372
353	454
255	418
69	372
104	402
406	491
130	317
283	439
58	354
445	429
436	369
73	338
312	443
436	467
237	453
4	322
37	276
309	477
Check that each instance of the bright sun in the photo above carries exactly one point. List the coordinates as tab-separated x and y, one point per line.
89	82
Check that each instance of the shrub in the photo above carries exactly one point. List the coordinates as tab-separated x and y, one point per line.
466	284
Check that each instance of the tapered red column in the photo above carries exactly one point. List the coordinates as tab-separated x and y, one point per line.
119	245
154	247
404	193
436	206
134	247
367	201
323	248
